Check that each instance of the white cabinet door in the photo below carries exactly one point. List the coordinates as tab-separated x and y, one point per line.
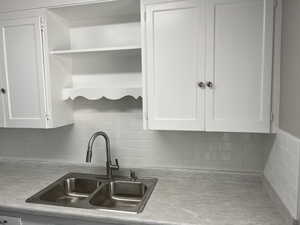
239	65
174	61
21	57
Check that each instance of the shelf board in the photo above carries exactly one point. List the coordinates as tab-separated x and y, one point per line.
94	93
94	50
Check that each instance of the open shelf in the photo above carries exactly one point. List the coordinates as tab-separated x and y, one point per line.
95	50
103	12
101	48
94	93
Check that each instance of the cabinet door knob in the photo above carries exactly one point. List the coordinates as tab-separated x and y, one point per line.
3	91
201	84
209	84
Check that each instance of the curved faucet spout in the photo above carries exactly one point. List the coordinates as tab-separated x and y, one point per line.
89	153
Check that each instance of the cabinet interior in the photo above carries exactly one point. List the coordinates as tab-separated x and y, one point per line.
99	45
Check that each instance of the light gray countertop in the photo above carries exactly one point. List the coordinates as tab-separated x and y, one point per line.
180	197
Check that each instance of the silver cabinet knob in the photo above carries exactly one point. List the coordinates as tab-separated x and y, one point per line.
201	84
209	84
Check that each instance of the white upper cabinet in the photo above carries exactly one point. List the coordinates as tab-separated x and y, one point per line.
239	65
49	56
174	65
225	44
206	64
23	73
28	101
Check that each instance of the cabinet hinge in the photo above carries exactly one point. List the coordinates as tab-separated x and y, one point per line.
47	116
43	25
272	117
275	4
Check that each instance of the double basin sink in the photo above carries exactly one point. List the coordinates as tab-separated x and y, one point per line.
97	192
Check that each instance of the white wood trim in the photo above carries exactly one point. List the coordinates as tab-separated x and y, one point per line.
46	77
98	93
144	65
91	50
33	4
276	66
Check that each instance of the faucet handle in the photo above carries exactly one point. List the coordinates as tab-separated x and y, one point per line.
116	166
132	175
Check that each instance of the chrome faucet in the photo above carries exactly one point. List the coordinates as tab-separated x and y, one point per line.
109	166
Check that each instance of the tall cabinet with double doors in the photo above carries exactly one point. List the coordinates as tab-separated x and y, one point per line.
208	64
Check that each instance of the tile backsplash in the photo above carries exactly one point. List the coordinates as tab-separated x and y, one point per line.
282	169
133	146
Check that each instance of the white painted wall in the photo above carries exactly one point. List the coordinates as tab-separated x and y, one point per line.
282	169
134	147
290	67
282	166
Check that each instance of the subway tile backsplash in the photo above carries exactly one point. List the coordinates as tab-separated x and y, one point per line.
282	169
133	146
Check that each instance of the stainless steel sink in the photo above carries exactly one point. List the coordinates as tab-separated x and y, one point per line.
71	190
97	192
124	195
